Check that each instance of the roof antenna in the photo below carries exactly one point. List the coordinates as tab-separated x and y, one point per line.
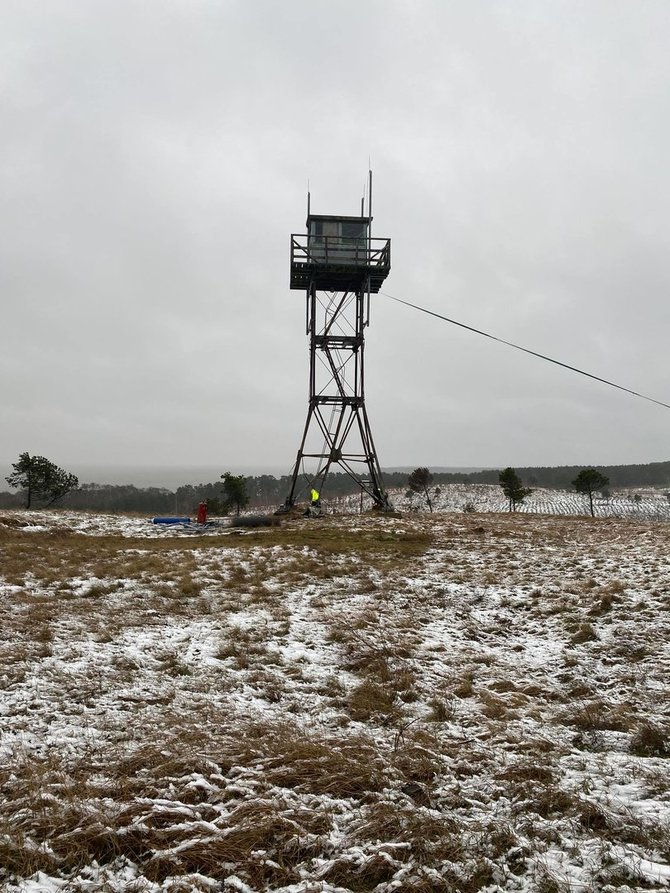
308	198
370	201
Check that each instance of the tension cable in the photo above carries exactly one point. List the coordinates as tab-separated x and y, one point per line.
526	350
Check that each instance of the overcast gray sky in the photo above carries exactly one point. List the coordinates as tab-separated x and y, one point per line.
154	160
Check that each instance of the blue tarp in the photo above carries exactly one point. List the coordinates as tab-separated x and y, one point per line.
170	520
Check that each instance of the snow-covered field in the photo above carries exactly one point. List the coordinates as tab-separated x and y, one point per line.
446	702
644	504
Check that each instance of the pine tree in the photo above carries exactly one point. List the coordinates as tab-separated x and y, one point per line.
40	479
234	492
589	481
513	488
419	481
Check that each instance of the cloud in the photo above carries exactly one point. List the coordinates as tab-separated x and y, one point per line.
155	160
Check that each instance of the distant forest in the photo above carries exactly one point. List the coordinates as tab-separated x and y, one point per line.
267	490
654	474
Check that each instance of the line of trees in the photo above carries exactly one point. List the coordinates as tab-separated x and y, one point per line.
41	482
261	490
652	474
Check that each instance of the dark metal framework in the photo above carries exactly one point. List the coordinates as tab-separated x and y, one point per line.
338	274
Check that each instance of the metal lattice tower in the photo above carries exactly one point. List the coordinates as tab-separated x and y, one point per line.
339	265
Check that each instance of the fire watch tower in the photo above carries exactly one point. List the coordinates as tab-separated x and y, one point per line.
339	265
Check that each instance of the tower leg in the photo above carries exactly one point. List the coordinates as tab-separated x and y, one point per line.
335	325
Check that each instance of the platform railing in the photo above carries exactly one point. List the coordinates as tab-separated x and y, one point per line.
340	251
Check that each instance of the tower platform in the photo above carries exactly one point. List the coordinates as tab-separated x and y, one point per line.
336	263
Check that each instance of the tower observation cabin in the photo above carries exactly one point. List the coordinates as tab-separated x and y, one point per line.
338	265
337	253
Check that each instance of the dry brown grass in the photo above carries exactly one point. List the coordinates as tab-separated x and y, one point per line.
650	740
360	693
598	715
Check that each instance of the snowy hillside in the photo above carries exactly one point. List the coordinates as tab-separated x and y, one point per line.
447	702
642	504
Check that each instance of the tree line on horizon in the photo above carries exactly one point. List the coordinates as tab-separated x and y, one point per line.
267	490
560	477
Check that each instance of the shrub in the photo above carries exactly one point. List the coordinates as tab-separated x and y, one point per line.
650	740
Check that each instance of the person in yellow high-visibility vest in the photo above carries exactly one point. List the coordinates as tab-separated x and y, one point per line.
315	506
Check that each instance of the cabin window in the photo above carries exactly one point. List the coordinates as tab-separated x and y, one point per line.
320	228
354	231
334	229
